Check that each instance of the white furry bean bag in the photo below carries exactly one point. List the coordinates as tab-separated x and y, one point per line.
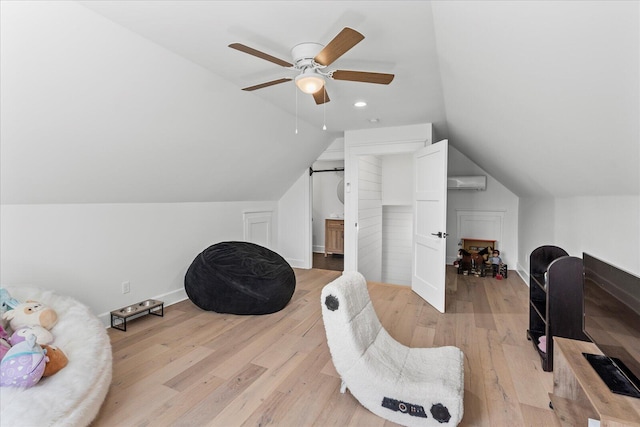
72	396
409	386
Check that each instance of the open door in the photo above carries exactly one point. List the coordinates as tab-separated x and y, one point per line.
429	223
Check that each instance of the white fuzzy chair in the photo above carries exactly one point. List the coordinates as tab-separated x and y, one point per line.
73	396
409	386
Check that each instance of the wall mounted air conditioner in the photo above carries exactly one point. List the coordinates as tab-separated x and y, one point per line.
467	182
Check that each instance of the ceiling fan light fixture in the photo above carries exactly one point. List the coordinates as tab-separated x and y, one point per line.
309	81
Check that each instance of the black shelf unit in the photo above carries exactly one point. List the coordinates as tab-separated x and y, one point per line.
555	299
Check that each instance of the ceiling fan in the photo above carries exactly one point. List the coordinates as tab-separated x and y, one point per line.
311	59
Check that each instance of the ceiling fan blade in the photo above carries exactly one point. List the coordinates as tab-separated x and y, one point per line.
362	76
345	40
321	96
262	55
267	84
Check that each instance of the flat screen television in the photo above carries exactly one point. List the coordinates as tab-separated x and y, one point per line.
612	321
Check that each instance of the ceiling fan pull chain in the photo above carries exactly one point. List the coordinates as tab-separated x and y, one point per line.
324	110
296	95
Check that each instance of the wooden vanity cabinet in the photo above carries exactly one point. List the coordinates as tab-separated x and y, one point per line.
333	236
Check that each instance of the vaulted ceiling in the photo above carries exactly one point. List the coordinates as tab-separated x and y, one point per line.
113	101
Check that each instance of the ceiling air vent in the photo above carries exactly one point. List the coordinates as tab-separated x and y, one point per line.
467	182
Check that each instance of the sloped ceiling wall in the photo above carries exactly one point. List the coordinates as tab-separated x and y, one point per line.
544	95
93	113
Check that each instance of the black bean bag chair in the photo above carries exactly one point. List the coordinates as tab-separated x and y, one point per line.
240	278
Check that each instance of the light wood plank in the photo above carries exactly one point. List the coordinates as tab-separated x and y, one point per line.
193	367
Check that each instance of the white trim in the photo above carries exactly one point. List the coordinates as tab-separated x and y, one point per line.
298	263
524	275
251	218
497	214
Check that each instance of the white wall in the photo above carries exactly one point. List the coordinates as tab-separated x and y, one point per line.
397	179
335	151
495	198
606	227
294	223
325	199
397	218
544	94
537	228
88	250
397	247
94	113
370	217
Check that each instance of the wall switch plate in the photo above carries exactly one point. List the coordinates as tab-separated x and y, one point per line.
126	287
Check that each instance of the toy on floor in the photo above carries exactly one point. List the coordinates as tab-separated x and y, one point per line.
485	253
473	262
496	261
464	261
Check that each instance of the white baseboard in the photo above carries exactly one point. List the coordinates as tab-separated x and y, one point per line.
168	298
298	263
522	272
318	249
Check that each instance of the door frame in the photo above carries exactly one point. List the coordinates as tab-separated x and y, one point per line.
405	139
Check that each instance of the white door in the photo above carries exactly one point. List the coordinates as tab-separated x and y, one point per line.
429	223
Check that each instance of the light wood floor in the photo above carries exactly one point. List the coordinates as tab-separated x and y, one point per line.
196	368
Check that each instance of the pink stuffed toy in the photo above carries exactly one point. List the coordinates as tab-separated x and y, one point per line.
4	342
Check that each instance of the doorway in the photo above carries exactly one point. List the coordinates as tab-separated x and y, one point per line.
327	182
354	180
429	202
385	217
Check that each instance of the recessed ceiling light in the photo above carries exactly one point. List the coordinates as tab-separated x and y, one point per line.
374	120
360	104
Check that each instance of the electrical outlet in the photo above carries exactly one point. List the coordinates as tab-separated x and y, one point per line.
126	287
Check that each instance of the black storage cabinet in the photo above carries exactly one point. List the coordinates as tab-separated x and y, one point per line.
555	299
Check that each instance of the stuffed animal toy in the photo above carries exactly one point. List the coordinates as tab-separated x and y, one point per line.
23	365
496	261
464	260
485	253
4	342
42	335
56	360
6	301
31	313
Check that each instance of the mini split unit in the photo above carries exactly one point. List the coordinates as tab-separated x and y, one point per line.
467	182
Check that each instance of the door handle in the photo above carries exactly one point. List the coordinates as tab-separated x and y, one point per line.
440	234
